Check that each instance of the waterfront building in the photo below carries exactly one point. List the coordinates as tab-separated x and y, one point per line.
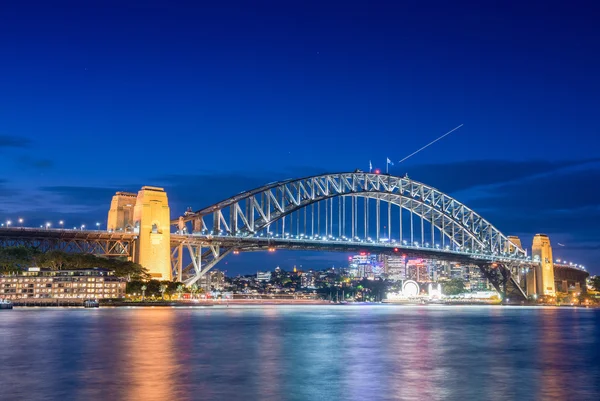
37	282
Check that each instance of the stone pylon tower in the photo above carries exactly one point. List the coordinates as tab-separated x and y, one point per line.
148	215
120	215
542	251
152	222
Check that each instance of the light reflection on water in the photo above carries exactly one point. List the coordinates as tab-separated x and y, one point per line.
300	353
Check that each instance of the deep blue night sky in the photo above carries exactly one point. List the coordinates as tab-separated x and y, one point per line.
211	99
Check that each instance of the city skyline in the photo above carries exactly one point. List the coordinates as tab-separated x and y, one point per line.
214	100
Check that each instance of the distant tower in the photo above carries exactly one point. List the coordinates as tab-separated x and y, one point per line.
542	251
151	220
120	215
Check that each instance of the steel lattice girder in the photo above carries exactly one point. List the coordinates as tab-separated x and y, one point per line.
101	243
204	256
249	212
500	276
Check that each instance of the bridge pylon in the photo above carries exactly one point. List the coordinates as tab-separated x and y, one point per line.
120	215
541	251
147	215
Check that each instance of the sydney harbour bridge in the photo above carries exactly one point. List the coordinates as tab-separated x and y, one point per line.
343	212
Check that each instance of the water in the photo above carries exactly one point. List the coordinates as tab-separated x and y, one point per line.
300	353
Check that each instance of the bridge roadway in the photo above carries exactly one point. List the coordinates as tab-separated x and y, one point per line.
106	243
120	243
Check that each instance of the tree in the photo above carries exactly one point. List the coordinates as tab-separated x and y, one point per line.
453	287
15	259
162	289
134	287
55	260
194	289
153	287
596	283
172	287
59	260
180	290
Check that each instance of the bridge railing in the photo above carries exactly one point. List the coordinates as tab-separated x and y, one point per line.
50	229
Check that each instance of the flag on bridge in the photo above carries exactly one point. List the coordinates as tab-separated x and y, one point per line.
389	161
387	164
370	166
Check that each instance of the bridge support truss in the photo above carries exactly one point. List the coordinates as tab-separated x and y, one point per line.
506	279
203	257
75	241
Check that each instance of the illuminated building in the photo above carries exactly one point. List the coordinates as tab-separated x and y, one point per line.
45	283
308	279
417	270
213	280
394	267
365	266
263	276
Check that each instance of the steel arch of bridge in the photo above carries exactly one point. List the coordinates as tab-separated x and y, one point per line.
251	215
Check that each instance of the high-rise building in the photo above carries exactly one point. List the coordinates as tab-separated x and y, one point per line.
365	266
394	267
417	270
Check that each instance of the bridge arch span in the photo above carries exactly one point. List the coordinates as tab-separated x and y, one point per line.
259	211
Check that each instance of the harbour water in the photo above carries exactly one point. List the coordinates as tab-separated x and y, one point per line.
345	352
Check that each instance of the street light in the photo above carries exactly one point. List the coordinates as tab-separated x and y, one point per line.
8	223
82	226
97	226
61	223
21	221
48	225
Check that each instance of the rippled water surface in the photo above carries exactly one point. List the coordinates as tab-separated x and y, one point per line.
300	353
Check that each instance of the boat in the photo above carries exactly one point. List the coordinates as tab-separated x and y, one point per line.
5	304
91	303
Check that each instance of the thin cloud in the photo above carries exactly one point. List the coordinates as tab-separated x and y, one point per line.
10	141
83	196
464	175
38	164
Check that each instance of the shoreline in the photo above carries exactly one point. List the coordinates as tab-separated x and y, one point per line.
76	303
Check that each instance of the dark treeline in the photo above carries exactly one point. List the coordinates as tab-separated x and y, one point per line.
16	259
